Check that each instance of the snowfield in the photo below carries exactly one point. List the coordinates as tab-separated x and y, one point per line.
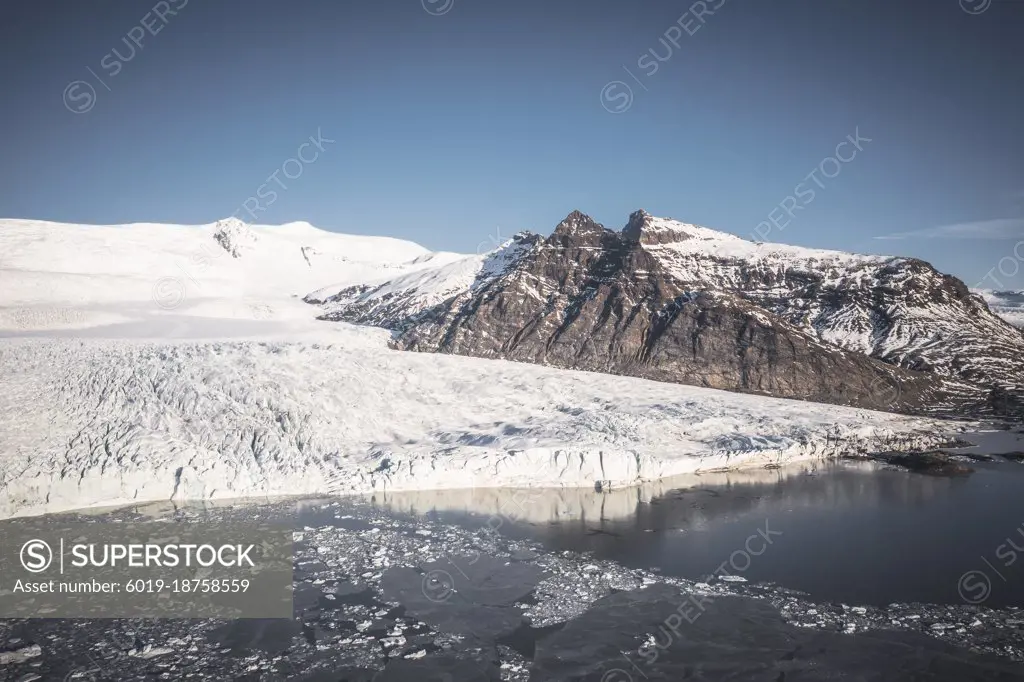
55	276
155	362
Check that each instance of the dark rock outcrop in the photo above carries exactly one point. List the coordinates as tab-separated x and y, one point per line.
591	299
933	463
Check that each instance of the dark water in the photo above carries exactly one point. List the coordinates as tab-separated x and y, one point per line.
366	607
852	533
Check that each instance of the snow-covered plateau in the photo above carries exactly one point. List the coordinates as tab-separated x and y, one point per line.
156	362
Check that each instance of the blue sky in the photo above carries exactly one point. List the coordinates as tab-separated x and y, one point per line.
455	123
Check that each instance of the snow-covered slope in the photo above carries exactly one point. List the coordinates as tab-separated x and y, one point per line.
397	302
1008	305
55	275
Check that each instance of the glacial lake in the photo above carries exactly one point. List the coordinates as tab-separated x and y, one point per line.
849	531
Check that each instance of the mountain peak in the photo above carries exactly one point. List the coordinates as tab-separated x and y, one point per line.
299	225
647	229
234	236
640	223
577	220
230	223
639	216
575	225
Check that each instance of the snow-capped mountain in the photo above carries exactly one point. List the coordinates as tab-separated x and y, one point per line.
677	302
55	275
222	259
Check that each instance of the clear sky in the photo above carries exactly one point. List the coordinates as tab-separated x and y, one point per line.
456	123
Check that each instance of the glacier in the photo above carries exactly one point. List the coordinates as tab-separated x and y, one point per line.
160	362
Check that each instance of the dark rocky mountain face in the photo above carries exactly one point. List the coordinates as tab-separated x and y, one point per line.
671	302
592	299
